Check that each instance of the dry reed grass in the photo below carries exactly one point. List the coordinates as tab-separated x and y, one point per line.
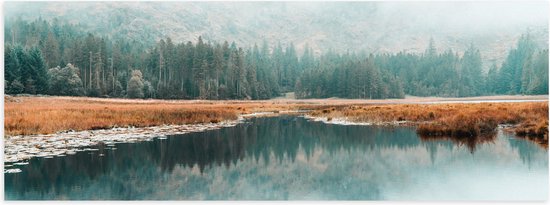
530	118
45	115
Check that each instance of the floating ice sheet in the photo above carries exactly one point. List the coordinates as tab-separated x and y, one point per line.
11	171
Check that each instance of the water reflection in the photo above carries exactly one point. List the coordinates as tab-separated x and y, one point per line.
470	142
277	158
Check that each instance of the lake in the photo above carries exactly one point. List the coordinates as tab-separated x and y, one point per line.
291	158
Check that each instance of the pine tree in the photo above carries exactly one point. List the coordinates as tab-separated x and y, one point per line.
200	79
492	80
471	72
538	84
11	67
51	51
38	71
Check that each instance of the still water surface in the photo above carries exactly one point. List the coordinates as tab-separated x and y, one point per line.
287	157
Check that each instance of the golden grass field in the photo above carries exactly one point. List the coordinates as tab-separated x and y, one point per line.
456	119
45	115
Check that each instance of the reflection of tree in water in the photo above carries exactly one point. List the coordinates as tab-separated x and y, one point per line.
133	170
265	136
527	149
260	139
470	142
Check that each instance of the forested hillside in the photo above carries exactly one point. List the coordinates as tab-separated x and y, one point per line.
372	27
59	58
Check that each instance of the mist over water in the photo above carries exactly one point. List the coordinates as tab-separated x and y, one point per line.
292	158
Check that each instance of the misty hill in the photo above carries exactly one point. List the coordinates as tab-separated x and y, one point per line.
340	26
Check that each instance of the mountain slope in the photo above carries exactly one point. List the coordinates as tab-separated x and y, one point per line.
339	26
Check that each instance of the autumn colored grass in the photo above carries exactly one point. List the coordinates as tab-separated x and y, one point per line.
45	115
455	120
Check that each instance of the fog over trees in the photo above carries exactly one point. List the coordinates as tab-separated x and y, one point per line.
64	57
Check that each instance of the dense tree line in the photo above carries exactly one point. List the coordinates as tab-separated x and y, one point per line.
56	58
447	74
525	71
166	70
24	70
348	76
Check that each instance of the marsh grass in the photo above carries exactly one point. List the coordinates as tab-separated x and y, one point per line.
454	120
46	115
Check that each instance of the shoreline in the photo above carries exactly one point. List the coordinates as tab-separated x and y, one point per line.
508	128
24	147
530	117
28	115
19	149
528	120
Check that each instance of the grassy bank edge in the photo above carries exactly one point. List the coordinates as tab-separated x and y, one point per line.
47	115
456	120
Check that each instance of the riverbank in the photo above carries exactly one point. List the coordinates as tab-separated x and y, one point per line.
18	148
33	115
448	120
49	115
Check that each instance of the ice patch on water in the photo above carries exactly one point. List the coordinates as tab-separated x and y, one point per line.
336	121
256	114
12	171
346	121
